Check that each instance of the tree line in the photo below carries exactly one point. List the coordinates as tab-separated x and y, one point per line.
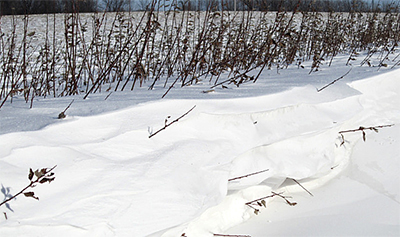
19	7
290	5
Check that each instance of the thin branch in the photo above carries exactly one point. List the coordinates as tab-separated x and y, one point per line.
333	82
108	96
232	235
375	128
260	202
62	114
169	124
361	128
244	176
44	175
297	182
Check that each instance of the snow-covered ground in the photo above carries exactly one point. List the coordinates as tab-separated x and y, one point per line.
113	180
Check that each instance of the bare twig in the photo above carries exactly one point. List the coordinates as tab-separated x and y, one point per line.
42	176
260	202
169	124
333	82
244	176
62	114
232	235
297	182
375	129
108	96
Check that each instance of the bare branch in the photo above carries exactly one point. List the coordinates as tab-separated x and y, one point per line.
297	182
62	114
333	82
260	202
244	176
169	124
42	176
232	235
361	128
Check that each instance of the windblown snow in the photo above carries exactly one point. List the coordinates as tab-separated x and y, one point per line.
113	180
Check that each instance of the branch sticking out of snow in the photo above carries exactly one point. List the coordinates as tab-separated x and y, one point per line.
42	176
297	182
260	202
62	114
244	176
334	81
361	128
166	124
232	235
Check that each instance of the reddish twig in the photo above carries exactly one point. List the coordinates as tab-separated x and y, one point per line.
244	176
169	124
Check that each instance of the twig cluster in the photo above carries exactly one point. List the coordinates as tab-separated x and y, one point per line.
176	47
260	202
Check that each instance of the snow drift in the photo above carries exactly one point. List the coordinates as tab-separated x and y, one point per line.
113	180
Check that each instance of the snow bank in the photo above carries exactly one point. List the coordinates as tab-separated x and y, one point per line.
113	180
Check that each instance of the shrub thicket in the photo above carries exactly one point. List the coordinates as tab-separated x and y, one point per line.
121	50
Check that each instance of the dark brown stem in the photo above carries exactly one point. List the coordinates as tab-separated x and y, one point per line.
333	82
261	201
375	129
232	235
297	182
65	110
169	124
30	185
244	176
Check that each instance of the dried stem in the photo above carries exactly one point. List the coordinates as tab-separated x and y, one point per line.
297	182
260	202
334	81
169	124
42	176
375	129
62	114
232	235
244	176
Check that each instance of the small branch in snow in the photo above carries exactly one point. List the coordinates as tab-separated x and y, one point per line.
108	96
333	82
166	124
42	176
232	235
244	176
62	114
375	129
260	202
297	182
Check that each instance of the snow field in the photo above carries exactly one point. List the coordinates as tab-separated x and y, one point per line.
112	180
